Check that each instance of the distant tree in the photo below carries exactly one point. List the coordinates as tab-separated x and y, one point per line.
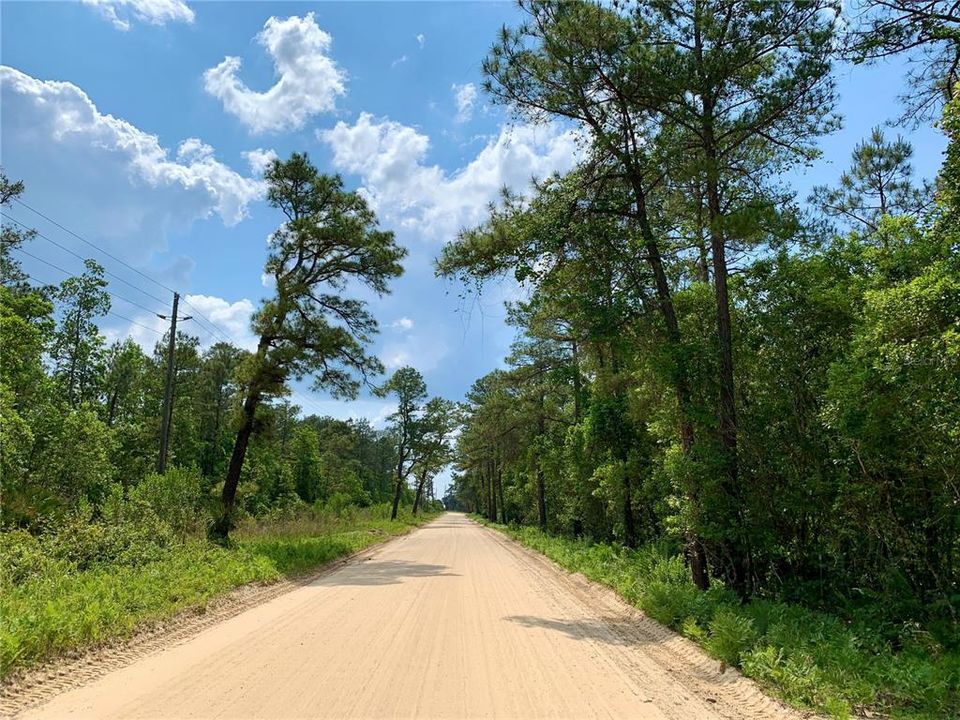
78	346
328	243
305	462
408	387
879	182
124	364
433	450
216	399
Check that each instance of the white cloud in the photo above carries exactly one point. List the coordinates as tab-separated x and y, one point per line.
464	96
422	353
309	80
106	177
375	411
259	160
390	159
403	323
230	319
399	61
154	12
421	40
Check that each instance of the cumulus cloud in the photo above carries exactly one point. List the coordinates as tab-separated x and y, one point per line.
259	160
230	319
403	323
308	82
399	61
464	96
421	40
374	411
390	158
153	12
107	177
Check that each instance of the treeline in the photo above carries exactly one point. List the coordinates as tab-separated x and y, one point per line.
81	418
703	358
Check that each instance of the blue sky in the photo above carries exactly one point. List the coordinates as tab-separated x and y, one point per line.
131	126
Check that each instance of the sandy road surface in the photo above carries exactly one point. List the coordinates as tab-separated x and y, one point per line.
451	621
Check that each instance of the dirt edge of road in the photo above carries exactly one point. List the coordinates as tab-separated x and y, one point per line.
35	685
731	694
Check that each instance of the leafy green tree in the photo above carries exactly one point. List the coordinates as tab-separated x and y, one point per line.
306	465
407	385
879	182
78	346
12	237
433	450
310	327
216	399
75	461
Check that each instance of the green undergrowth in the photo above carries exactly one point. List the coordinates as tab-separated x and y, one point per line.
811	659
93	583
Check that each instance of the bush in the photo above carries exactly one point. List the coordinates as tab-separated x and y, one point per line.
177	498
22	557
731	635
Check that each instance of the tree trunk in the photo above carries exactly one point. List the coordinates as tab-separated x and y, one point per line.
737	551
681	382
112	406
417	498
220	529
503	506
492	516
73	363
541	484
575	352
629	524
397	492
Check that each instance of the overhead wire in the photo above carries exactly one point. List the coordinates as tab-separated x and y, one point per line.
43	285
202	321
81	257
213	329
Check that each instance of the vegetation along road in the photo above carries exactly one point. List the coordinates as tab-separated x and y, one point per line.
453	620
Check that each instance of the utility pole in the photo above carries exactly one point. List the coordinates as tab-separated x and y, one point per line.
168	388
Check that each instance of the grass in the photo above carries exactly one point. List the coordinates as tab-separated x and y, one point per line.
62	609
812	660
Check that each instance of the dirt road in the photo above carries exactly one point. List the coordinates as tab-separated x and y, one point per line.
451	621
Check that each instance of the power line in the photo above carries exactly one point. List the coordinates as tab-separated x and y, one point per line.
94	246
70	274
215	331
145	327
109	312
77	255
208	325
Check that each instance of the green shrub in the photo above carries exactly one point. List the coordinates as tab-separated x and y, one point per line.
134	540
731	635
175	497
22	557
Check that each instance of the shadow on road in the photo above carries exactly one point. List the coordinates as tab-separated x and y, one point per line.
382	572
612	631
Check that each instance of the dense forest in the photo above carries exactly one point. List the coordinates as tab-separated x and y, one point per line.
768	383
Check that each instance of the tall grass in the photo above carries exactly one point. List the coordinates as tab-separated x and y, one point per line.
52	603
811	659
